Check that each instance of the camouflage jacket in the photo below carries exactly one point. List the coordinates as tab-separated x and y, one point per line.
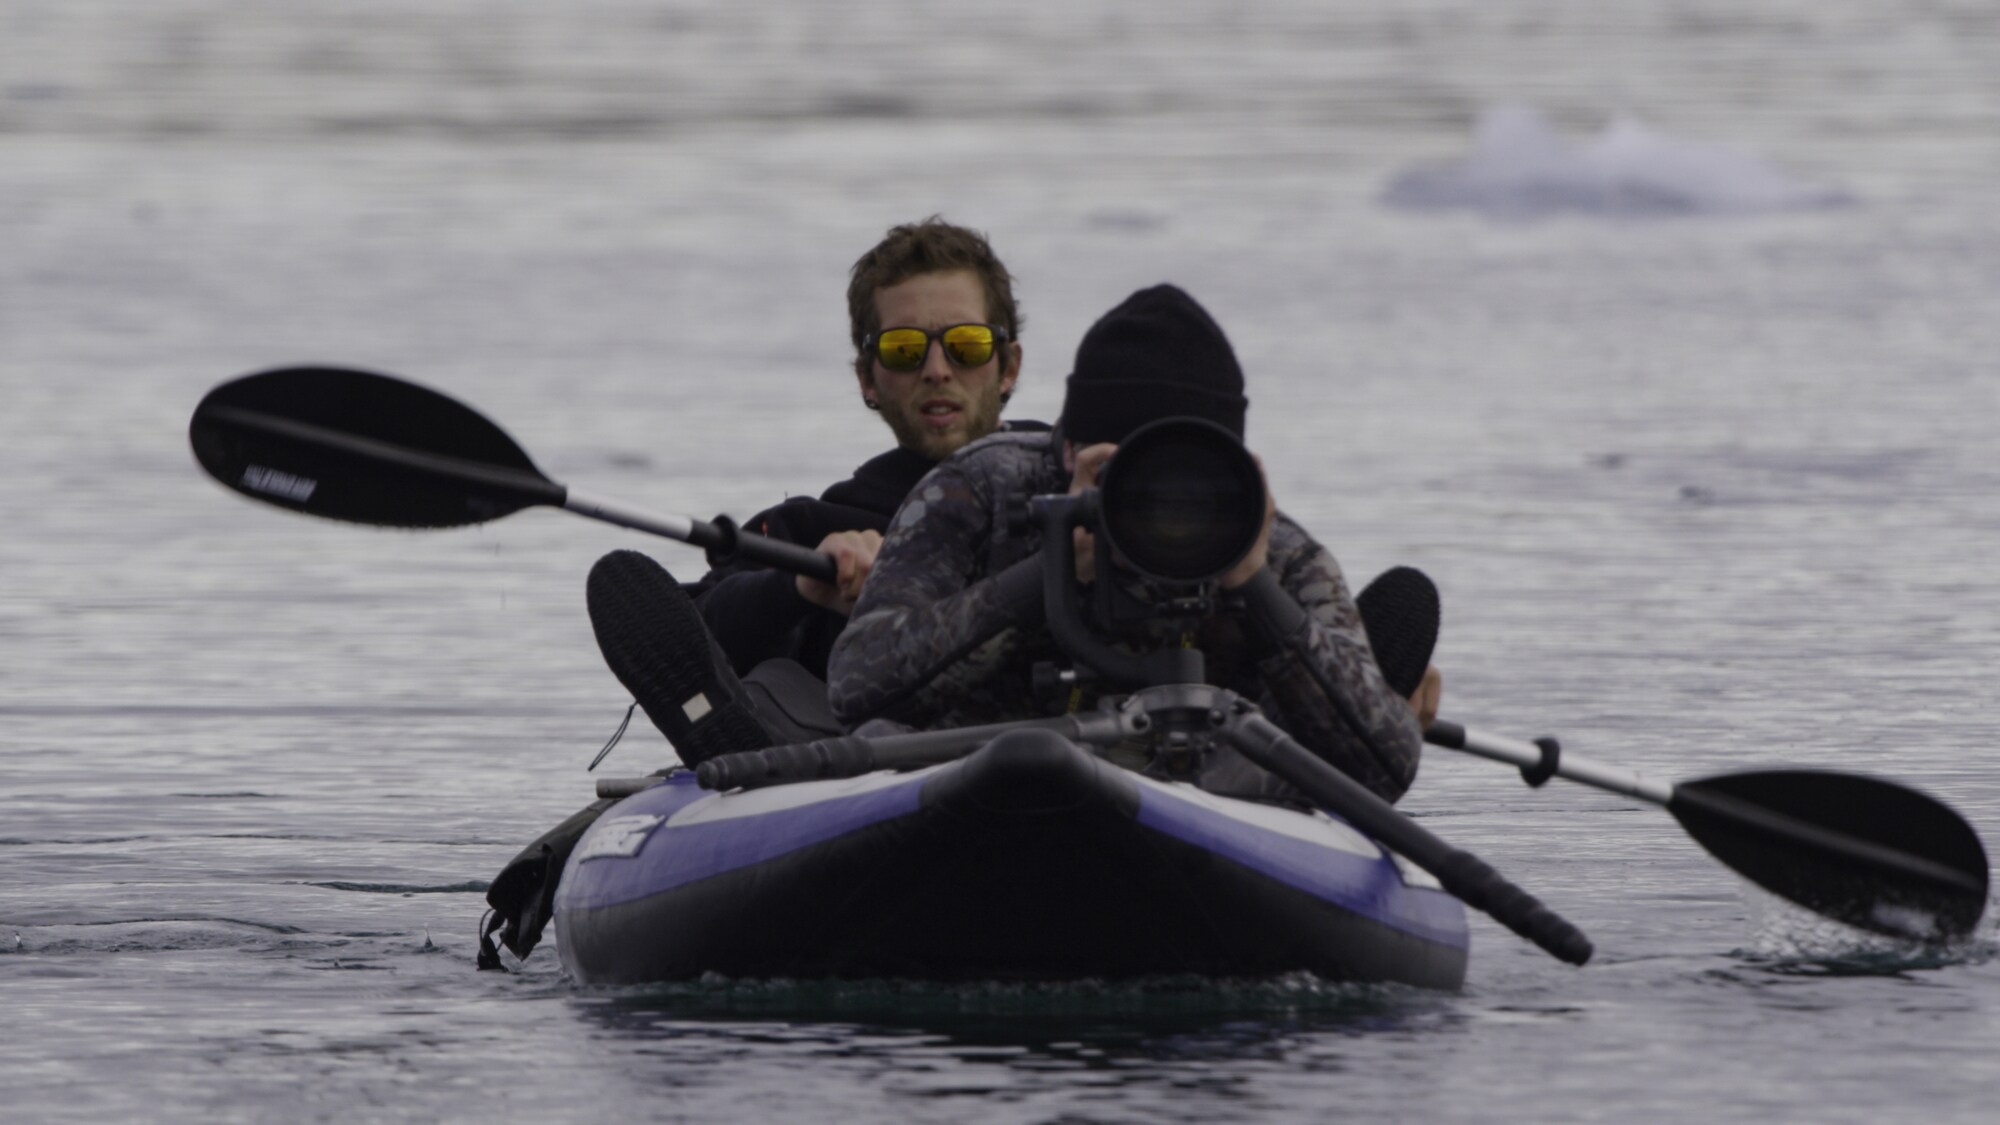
950	626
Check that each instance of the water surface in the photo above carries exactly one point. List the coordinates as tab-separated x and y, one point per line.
1702	493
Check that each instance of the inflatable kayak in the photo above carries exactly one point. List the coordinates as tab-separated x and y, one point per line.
1017	862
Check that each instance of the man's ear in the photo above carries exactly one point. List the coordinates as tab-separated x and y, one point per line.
1010	366
1069	456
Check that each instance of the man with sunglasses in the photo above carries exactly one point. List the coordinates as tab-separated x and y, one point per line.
737	661
937	353
951	629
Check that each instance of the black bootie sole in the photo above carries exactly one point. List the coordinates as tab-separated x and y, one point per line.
1400	610
657	645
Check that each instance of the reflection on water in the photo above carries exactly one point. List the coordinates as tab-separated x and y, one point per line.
1118	1007
1160	1050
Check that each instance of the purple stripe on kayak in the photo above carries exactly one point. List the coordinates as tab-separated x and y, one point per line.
675	856
1369	887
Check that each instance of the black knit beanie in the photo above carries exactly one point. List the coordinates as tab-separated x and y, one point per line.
1157	355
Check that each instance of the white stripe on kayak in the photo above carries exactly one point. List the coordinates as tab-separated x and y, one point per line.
1314	827
778	798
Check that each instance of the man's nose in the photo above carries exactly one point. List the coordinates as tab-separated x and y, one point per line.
936	366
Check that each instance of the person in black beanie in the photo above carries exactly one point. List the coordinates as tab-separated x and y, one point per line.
948	629
1157	355
1160	355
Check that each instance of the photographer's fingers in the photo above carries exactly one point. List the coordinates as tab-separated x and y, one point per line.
1087	463
1090	462
1429	694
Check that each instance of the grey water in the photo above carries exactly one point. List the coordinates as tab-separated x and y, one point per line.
1704	491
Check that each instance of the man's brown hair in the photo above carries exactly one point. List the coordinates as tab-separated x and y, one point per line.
930	246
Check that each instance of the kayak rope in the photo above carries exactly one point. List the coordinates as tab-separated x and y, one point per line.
489	956
615	736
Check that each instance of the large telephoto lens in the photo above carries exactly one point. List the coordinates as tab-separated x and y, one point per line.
1182	500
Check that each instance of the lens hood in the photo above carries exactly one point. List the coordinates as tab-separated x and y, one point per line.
1181	501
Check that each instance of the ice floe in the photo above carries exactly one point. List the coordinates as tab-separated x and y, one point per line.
1521	166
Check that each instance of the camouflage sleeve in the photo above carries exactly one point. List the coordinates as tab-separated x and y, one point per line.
1322	683
928	605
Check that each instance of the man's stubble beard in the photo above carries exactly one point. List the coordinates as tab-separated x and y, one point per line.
982	417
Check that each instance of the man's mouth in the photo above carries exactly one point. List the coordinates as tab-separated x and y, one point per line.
940	413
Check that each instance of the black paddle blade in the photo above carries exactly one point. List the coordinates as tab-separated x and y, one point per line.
1860	850
352	445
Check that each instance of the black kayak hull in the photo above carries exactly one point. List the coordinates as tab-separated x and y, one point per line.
1044	865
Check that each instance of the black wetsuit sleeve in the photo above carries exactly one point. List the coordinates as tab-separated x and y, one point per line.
908	654
754	615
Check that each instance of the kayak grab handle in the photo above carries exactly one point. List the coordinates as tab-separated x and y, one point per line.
622	787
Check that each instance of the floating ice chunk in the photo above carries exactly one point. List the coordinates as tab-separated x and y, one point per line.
1521	166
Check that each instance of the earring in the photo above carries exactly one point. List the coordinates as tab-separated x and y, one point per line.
872	404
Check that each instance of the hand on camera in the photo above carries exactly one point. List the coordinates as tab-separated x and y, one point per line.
1087	463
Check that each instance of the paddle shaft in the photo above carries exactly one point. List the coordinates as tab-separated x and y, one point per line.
722	539
1531	757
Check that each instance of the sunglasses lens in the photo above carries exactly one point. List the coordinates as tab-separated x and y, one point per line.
902	349
968	345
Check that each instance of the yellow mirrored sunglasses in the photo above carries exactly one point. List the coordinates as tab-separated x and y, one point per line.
904	349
